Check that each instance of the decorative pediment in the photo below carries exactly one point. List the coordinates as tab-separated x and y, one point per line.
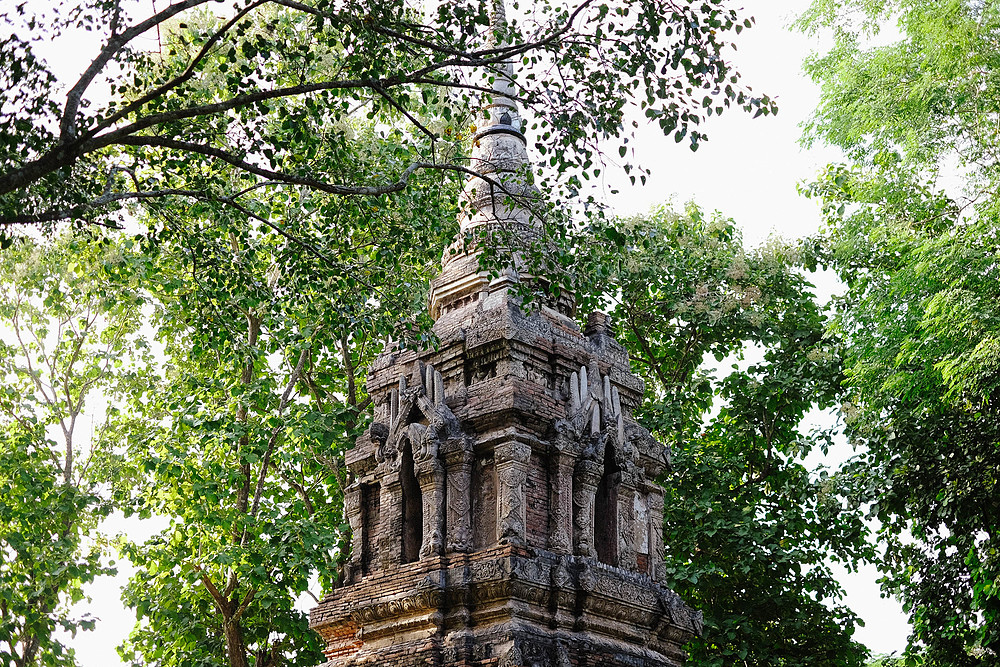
418	414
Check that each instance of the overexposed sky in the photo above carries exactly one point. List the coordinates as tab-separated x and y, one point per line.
748	170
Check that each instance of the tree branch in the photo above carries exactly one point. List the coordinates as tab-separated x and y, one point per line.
114	45
184	76
399	184
220	600
266	461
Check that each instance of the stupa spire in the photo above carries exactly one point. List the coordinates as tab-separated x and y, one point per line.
503	504
499	148
498	202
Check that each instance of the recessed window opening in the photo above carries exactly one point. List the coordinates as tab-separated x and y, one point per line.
369	524
606	510
413	506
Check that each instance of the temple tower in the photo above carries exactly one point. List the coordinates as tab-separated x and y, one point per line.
503	505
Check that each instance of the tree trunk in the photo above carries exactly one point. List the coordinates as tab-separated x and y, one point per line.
235	649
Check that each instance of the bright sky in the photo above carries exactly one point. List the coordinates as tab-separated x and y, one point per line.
748	169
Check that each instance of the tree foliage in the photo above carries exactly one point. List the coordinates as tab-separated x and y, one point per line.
44	525
63	330
749	529
913	232
264	87
239	434
287	169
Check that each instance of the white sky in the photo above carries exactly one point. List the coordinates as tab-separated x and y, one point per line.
748	170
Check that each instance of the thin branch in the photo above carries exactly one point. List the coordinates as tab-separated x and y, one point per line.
396	186
220	600
112	138
396	105
293	239
482	57
81	209
299	489
183	77
247	599
114	45
211	151
35	376
647	351
345	353
266	461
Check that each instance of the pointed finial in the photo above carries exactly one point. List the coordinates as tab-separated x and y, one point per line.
500	199
499	148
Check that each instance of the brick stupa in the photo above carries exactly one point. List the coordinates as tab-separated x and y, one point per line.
503	504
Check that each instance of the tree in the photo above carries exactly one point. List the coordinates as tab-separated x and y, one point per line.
262	88
291	158
749	530
885	661
63	332
238	436
913	228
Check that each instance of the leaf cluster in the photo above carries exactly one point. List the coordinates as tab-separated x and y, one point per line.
272	88
912	231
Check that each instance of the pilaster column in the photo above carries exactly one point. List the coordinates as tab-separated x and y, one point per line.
512	473
352	510
561	504
656	549
430	475
642	524
459	501
626	521
586	477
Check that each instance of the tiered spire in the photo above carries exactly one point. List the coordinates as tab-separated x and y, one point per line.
498	201
503	503
499	148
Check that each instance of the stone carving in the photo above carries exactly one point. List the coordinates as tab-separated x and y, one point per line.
587	578
641	509
512	657
419	415
585	480
655	455
657	549
459	495
561	503
562	655
511	461
432	488
427	595
486	570
594	404
626	528
352	509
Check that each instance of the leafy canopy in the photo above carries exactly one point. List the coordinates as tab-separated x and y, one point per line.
913	230
749	529
62	329
268	88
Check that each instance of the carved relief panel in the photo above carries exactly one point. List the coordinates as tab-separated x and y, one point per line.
611	516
